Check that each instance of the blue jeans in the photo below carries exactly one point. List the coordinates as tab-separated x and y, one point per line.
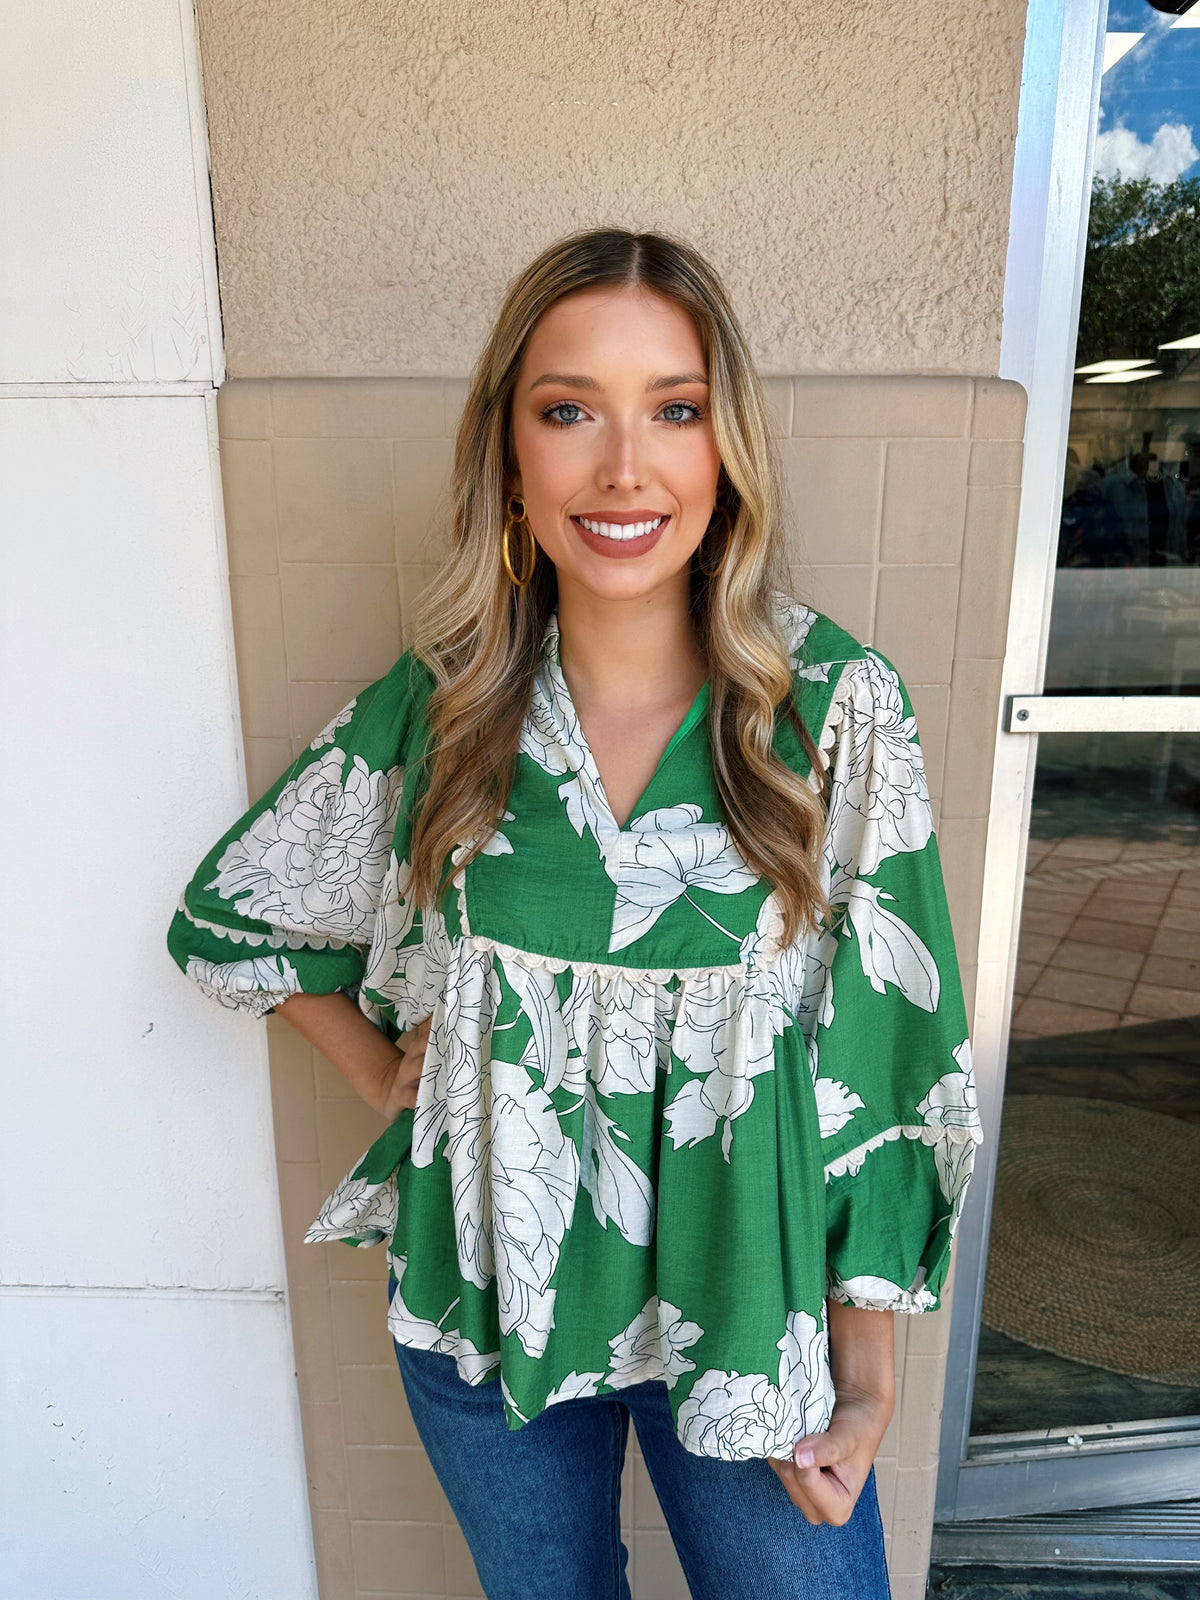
540	1505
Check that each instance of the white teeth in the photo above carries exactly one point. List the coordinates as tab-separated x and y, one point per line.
621	531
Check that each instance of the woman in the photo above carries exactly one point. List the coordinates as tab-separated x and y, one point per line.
619	898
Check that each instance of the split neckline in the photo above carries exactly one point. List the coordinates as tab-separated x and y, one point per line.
694	714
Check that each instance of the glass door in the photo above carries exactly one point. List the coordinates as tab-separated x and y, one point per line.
1086	1367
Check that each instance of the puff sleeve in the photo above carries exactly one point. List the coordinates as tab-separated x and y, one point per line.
889	1052
285	901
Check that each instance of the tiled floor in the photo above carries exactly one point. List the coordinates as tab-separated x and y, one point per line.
1110	935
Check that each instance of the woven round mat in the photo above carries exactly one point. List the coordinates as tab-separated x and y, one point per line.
1095	1240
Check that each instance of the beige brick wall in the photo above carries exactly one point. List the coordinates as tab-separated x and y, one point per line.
905	492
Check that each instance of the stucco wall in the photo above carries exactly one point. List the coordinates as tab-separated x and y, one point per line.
380	170
905	508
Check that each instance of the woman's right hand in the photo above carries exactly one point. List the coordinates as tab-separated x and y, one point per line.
400	1088
386	1075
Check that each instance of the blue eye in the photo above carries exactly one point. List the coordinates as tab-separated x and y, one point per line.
692	413
562	422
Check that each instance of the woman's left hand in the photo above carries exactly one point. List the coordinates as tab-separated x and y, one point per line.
827	1472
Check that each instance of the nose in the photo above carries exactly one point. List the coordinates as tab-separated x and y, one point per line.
624	461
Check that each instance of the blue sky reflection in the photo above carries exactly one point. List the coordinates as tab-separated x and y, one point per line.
1150	100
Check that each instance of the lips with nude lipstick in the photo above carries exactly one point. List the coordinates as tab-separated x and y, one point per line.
621	533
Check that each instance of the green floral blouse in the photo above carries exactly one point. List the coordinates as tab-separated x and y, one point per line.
649	1142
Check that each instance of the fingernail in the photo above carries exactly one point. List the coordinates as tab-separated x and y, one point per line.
805	1458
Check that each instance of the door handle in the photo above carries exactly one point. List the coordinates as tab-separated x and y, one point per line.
1102	713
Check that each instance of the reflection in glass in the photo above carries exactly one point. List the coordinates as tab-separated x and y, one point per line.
1126	613
1092	1299
1091	1307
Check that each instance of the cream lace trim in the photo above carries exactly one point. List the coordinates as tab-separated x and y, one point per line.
957	1133
280	939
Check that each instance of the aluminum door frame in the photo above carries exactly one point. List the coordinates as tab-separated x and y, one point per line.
1052	174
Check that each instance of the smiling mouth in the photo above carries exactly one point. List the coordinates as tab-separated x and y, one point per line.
620	532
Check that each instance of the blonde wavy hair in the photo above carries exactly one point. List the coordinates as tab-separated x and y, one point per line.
480	636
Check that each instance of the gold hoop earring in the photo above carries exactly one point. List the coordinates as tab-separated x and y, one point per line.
516	519
711	572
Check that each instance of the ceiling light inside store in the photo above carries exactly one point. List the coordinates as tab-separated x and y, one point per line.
1126	377
1118	45
1192	342
1114	366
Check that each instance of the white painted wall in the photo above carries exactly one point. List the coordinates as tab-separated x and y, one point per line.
150	1439
108	273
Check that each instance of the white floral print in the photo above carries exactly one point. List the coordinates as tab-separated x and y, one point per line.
450	1100
534	1170
407	966
878	807
952	1105
880	1294
329	732
835	1105
621	1192
652	1346
552	737
497	843
621	1029
675	1335
316	857
725	1028
665	853
575	1386
359	1210
954	1160
952	1102
556	1069
889	949
256	985
473	1364
735	1417
794	622
879	797
509	1403
746	1416
619	1189
741	1417
272	938
804	1375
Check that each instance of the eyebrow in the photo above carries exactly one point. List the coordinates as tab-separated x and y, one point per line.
578	380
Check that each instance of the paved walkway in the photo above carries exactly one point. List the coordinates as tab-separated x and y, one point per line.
1110	935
